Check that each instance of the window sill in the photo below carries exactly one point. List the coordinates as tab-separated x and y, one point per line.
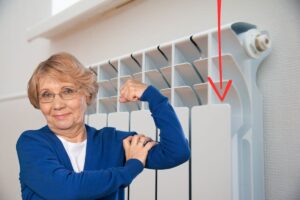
71	17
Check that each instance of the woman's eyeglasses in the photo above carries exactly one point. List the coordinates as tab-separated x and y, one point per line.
66	93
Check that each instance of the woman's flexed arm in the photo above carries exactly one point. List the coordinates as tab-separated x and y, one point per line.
173	148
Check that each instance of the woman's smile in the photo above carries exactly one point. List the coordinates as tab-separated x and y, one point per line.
61	116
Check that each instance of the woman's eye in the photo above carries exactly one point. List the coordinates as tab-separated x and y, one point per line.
46	94
68	91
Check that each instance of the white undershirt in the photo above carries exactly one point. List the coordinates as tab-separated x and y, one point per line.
76	153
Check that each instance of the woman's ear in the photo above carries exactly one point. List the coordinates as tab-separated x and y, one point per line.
88	99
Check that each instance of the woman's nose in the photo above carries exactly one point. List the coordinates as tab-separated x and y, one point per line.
58	103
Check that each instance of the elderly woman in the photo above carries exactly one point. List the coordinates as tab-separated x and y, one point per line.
67	159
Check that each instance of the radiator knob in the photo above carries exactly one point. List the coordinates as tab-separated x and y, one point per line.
255	43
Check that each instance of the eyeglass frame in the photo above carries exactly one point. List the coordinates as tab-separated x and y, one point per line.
60	94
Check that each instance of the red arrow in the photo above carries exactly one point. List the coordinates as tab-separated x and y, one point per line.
221	97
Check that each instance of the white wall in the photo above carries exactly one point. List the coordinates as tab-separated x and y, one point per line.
142	24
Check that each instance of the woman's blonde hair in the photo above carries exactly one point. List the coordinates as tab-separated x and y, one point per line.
63	67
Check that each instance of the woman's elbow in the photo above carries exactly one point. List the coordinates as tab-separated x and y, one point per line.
185	154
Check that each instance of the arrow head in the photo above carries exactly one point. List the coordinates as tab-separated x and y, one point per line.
221	97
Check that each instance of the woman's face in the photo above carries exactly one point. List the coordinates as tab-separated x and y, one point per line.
62	114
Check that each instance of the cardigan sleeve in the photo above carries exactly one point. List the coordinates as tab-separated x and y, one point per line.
173	148
41	171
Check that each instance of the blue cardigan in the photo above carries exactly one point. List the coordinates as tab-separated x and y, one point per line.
46	171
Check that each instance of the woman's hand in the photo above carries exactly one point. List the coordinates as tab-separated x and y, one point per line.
137	147
132	90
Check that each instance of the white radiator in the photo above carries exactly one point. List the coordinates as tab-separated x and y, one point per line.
226	137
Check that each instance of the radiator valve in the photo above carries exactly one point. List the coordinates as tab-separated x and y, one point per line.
256	43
